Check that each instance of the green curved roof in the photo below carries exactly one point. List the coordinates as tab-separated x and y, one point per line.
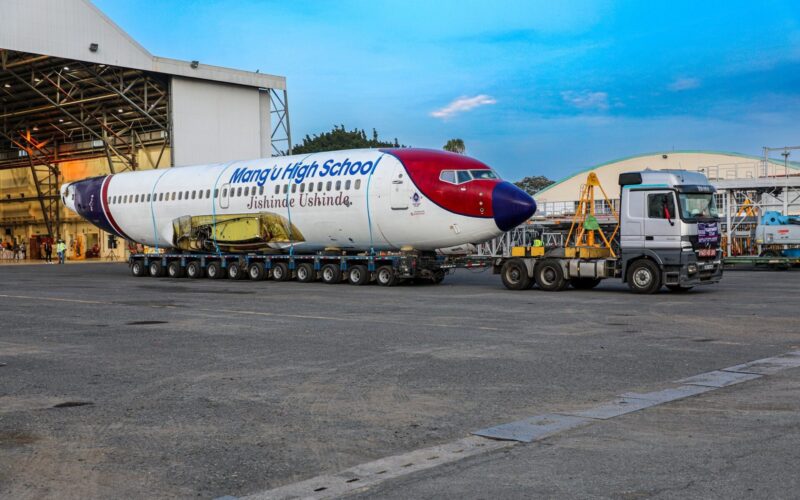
792	164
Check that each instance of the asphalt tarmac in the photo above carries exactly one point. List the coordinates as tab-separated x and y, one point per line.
115	386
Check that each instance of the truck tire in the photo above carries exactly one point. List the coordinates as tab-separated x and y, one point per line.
679	289
385	276
214	271
235	270
584	283
644	276
194	270
331	274
137	268
280	272
256	271
155	269
438	276
358	275
306	273
514	274
550	276
174	269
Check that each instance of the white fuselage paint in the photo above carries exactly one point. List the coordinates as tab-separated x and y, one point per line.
381	209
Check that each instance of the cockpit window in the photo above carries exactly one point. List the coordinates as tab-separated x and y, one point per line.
483	174
463	176
448	176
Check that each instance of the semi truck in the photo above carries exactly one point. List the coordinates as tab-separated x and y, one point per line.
667	234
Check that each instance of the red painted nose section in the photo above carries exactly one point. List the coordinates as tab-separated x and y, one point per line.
425	166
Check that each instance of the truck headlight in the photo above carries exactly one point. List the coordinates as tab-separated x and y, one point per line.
691	268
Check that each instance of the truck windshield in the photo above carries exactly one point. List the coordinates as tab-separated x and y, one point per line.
697	205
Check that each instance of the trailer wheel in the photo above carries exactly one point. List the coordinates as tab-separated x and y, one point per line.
214	270
137	268
155	269
194	270
679	289
235	271
550	276
331	274
584	283
358	275
256	271
174	269
306	273
514	274
280	272
438	276
644	276
385	276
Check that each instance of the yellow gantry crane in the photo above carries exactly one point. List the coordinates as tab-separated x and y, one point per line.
586	240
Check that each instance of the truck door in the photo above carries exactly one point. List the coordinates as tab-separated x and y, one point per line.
661	228
399	188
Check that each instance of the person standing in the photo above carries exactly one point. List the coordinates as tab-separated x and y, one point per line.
61	250
22	250
48	251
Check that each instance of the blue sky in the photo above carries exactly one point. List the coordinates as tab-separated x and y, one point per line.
533	88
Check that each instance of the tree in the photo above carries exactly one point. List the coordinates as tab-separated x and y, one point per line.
455	146
340	138
534	184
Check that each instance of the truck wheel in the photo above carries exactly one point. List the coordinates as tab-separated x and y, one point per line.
235	271
194	270
137	268
331	274
550	276
584	283
174	269
358	275
385	276
306	273
256	271
644	276
155	269
514	274
438	276
214	270
280	272
679	289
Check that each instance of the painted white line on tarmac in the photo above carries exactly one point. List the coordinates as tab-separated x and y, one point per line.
364	476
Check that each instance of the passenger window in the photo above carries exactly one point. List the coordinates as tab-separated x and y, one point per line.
208	193
358	184
338	185
260	190
180	195
239	191
148	197
247	191
194	194
173	196
328	186
277	189
216	192
294	188
310	187
319	186
661	206
448	176
137	199
347	184
285	188
463	176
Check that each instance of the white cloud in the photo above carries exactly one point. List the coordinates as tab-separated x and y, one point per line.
586	99
463	104
684	84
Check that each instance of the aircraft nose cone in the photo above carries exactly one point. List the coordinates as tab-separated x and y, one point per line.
511	206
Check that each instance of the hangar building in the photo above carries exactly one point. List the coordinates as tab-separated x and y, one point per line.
79	97
746	187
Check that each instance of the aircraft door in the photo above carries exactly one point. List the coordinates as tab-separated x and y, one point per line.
399	188
225	195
